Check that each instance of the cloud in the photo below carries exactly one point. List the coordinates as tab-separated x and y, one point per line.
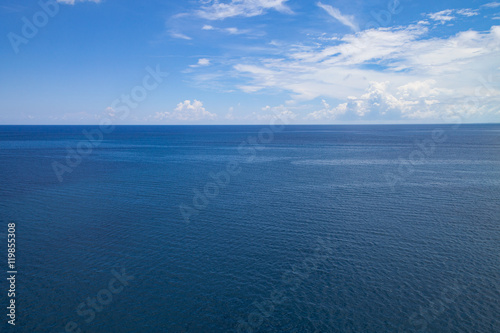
230	30
187	111
215	10
201	62
236	31
72	2
415	100
12	8
110	112
267	115
422	71
443	16
467	12
280	112
346	20
449	14
179	35
331	70
491	5
327	112
230	114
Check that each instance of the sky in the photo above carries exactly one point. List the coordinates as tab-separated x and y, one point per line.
249	61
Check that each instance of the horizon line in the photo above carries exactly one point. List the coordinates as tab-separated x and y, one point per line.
348	124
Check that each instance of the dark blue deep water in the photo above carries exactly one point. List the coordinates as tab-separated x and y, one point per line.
316	228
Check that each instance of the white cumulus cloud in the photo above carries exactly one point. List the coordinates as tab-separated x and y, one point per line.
187	111
201	62
416	100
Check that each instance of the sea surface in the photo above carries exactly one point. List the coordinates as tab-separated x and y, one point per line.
385	228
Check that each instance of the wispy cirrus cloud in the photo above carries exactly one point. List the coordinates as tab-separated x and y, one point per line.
179	35
72	2
229	30
12	8
216	10
491	5
450	14
346	20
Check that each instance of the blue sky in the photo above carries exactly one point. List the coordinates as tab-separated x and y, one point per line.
249	61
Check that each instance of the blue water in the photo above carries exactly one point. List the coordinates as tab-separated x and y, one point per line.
317	228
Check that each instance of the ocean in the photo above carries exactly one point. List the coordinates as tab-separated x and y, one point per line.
355	228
